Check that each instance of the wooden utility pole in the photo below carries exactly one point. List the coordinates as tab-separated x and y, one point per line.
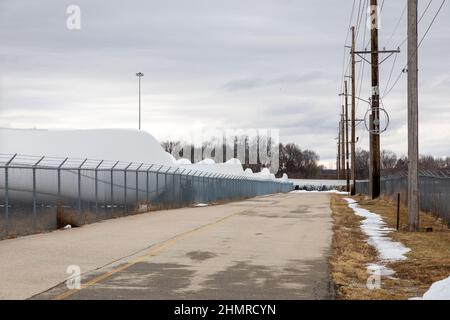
413	119
375	123
347	169
353	161
342	143
338	162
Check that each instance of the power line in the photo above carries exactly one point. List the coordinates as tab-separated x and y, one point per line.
397	25
362	69
390	74
418	46
420	19
345	44
432	22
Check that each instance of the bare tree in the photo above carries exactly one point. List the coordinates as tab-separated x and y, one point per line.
388	159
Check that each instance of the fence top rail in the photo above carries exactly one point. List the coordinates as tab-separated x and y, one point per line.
442	173
53	163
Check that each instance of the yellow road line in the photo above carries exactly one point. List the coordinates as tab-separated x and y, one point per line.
153	251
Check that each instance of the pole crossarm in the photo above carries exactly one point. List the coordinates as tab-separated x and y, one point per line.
389	52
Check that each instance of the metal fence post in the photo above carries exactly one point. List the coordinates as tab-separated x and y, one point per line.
180	191
79	184
195	186
147	183
34	193
96	186
157	182
59	180
7	195
137	183
166	193
112	187
125	186
173	187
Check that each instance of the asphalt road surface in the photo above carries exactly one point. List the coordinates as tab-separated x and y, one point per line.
272	247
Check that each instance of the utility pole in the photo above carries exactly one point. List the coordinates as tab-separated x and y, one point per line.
347	169
375	123
342	143
353	157
338	163
374	116
139	75
413	119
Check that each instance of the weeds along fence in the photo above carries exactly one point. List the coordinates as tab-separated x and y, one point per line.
42	194
434	190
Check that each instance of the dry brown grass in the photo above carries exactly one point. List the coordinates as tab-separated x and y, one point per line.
429	260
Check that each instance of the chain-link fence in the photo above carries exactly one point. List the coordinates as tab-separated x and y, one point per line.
42	194
434	190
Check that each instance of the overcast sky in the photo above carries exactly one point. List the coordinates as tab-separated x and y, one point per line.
223	64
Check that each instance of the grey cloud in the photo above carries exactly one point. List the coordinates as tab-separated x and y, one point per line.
222	63
287	79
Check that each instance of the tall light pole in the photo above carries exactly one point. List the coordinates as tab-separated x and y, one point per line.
139	75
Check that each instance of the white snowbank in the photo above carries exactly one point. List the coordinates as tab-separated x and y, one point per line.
438	291
100	144
285	177
172	158
377	231
234	161
315	191
379	269
248	172
184	161
206	161
265	174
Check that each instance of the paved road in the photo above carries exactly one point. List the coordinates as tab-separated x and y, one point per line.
272	247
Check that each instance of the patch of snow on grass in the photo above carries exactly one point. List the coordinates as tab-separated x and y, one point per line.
438	291
315	191
377	231
374	268
201	205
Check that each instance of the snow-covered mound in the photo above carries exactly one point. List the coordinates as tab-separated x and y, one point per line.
184	161
223	168
265	174
234	161
172	158
101	144
206	161
438	291
248	172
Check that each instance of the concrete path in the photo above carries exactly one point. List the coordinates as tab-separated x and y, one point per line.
272	247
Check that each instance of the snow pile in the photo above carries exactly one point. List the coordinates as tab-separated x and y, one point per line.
316	191
100	144
375	228
248	172
207	161
184	161
125	145
172	158
234	161
438	291
265	174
